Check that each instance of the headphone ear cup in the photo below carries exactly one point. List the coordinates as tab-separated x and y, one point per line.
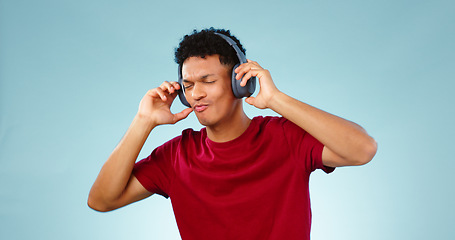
181	91
182	96
239	91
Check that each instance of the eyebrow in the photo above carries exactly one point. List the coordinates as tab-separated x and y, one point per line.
201	78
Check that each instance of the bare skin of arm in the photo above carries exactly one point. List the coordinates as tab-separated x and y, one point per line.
345	143
115	185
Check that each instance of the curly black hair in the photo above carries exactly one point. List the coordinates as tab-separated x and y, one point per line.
206	43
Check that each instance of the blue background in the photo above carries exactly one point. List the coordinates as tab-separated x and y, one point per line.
72	74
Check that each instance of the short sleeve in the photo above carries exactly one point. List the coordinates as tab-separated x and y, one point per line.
155	171
306	149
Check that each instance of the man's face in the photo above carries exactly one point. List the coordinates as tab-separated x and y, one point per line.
208	90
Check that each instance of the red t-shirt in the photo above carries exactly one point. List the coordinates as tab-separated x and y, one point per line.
253	187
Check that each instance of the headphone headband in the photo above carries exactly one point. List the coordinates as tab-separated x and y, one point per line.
240	54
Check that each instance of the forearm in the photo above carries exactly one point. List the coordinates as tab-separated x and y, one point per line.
117	170
345	138
345	143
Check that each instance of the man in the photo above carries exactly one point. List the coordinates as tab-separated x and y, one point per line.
237	178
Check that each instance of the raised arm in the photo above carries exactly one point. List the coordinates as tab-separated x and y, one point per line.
115	185
345	143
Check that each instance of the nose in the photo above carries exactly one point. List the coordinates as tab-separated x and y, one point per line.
198	92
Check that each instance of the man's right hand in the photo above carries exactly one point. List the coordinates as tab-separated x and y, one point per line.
155	106
115	185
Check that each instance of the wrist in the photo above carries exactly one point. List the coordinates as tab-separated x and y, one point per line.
144	122
276	101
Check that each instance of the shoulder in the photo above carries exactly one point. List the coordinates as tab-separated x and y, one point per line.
278	128
190	136
268	127
190	133
265	120
270	121
171	148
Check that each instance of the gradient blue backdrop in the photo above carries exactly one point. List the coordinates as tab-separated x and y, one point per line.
72	74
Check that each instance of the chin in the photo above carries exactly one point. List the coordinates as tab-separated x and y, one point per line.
204	121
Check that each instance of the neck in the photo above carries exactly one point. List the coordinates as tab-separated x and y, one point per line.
229	130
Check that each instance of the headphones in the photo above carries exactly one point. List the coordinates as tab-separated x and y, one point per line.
239	91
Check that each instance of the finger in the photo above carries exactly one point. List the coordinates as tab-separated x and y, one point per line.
161	93
250	100
242	67
151	92
176	85
248	75
237	69
167	86
253	62
242	70
170	86
182	115
246	67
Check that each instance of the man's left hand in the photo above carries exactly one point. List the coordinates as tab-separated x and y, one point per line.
267	88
